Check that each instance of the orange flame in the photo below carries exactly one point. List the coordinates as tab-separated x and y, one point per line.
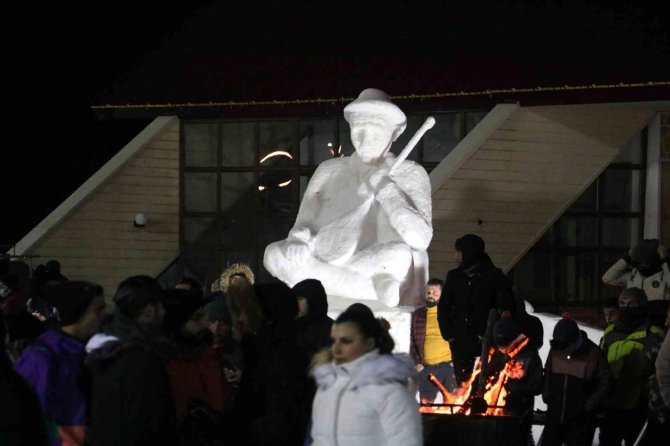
495	393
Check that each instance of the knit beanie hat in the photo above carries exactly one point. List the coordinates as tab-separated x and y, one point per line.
217	309
70	299
505	330
636	293
471	246
644	253
179	306
566	330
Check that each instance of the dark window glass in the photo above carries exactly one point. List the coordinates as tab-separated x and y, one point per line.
238	192
238	232
276	144
622	190
200	231
579	231
579	277
200	142
275	191
317	142
238	144
620	232
199	192
442	138
532	274
588	200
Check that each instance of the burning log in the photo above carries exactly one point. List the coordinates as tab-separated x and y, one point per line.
488	398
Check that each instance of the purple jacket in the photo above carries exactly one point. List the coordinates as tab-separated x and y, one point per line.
52	365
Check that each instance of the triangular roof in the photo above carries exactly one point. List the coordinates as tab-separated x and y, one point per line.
92	184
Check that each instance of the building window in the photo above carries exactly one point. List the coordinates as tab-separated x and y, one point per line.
563	269
242	181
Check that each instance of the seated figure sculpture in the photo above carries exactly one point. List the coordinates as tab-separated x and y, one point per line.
364	223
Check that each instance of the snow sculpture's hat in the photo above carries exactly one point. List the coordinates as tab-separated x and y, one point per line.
372	100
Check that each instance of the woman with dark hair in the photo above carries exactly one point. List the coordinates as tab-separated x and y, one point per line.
363	395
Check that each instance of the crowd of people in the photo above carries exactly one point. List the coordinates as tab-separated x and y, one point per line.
249	363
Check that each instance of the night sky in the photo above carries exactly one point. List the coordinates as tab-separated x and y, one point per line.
61	57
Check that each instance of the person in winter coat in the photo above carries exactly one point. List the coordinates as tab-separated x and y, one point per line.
202	396
313	323
223	343
132	401
645	267
663	370
524	378
313	327
274	380
21	419
624	343
528	324
363	397
469	292
577	381
53	363
429	351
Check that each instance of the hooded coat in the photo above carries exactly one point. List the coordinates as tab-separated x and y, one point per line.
313	330
53	366
366	402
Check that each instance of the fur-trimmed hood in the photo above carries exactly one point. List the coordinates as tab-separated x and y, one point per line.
232	270
370	369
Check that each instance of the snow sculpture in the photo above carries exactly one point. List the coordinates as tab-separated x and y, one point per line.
364	223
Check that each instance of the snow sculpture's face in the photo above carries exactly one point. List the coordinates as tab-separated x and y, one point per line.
371	135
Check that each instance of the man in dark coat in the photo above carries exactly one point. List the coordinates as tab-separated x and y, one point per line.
469	293
132	401
577	381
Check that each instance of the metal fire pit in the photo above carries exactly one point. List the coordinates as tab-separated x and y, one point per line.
469	430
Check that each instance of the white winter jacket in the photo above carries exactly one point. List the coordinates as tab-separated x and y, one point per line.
366	402
656	286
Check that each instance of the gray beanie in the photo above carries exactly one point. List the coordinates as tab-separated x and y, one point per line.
217	309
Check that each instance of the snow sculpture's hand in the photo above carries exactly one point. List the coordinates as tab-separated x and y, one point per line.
378	180
297	252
